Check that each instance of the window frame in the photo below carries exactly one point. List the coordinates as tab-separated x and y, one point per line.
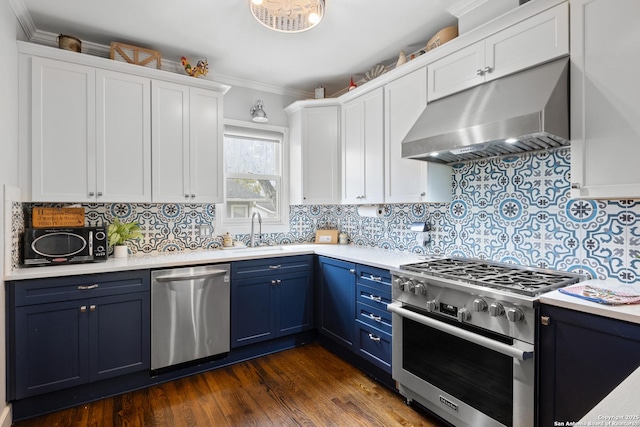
269	225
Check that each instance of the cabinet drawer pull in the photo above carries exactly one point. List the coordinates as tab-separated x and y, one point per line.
375	278
92	307
275	267
83	309
375	298
87	287
375	318
374	338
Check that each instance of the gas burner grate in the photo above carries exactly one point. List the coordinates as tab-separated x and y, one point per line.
522	280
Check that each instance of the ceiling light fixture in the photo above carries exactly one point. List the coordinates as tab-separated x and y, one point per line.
288	16
257	113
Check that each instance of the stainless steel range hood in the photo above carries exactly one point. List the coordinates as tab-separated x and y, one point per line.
531	106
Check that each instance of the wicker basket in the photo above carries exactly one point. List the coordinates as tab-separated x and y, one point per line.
135	55
69	43
441	37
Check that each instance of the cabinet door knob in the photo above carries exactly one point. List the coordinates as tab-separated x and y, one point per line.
545	320
193	196
479	72
423	194
352	271
186	195
575	186
83	309
91	194
92	307
273	283
487	69
99	194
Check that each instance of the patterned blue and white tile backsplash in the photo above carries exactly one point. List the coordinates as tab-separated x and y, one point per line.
515	209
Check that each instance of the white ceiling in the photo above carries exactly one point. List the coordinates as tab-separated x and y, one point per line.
354	36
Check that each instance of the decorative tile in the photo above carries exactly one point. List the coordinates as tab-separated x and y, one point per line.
514	209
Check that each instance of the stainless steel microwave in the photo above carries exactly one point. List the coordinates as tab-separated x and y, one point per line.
51	246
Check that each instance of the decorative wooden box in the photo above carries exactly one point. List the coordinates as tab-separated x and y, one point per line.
57	217
135	55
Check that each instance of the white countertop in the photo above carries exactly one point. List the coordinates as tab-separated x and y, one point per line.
627	312
374	257
621	407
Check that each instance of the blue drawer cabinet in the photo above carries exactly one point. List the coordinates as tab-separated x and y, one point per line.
69	331
270	298
373	321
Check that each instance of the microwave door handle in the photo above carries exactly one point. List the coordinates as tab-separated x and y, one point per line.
507	350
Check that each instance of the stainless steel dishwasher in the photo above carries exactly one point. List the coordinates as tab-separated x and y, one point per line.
190	314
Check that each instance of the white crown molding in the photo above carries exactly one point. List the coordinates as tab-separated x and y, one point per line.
23	16
459	8
50	39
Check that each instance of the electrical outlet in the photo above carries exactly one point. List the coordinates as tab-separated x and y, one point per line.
205	230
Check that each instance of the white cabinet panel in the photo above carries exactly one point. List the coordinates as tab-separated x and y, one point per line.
363	149
408	180
170	142
63	131
605	129
456	72
314	155
123	112
205	145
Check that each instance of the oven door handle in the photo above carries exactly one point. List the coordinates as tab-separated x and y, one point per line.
507	350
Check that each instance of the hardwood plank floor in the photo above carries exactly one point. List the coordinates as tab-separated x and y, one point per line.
305	386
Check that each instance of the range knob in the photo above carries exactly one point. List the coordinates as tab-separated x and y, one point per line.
420	289
515	314
410	286
399	282
432	305
479	305
464	315
496	309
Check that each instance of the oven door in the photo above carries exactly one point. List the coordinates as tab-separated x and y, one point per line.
467	376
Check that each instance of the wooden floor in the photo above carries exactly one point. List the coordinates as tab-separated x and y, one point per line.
305	386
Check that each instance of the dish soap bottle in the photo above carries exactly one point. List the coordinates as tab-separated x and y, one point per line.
227	241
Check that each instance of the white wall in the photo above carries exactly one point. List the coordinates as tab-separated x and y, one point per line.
239	100
9	32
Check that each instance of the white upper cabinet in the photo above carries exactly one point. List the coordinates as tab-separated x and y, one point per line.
363	149
90	134
538	39
87	128
408	180
314	154
605	112
187	144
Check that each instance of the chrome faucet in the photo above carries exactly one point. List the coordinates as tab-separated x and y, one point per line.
252	243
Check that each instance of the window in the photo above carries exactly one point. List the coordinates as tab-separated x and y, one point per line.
254	177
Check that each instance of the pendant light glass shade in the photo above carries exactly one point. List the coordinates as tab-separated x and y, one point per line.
289	16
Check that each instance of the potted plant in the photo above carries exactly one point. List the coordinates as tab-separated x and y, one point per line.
118	233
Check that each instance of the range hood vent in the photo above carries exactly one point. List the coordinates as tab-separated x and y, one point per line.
530	108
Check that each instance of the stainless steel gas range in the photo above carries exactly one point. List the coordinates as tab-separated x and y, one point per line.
464	338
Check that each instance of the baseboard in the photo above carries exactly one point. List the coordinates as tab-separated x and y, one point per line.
5	417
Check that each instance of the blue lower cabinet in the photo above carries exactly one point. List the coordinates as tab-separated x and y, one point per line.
581	358
374	345
337	309
276	302
87	336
